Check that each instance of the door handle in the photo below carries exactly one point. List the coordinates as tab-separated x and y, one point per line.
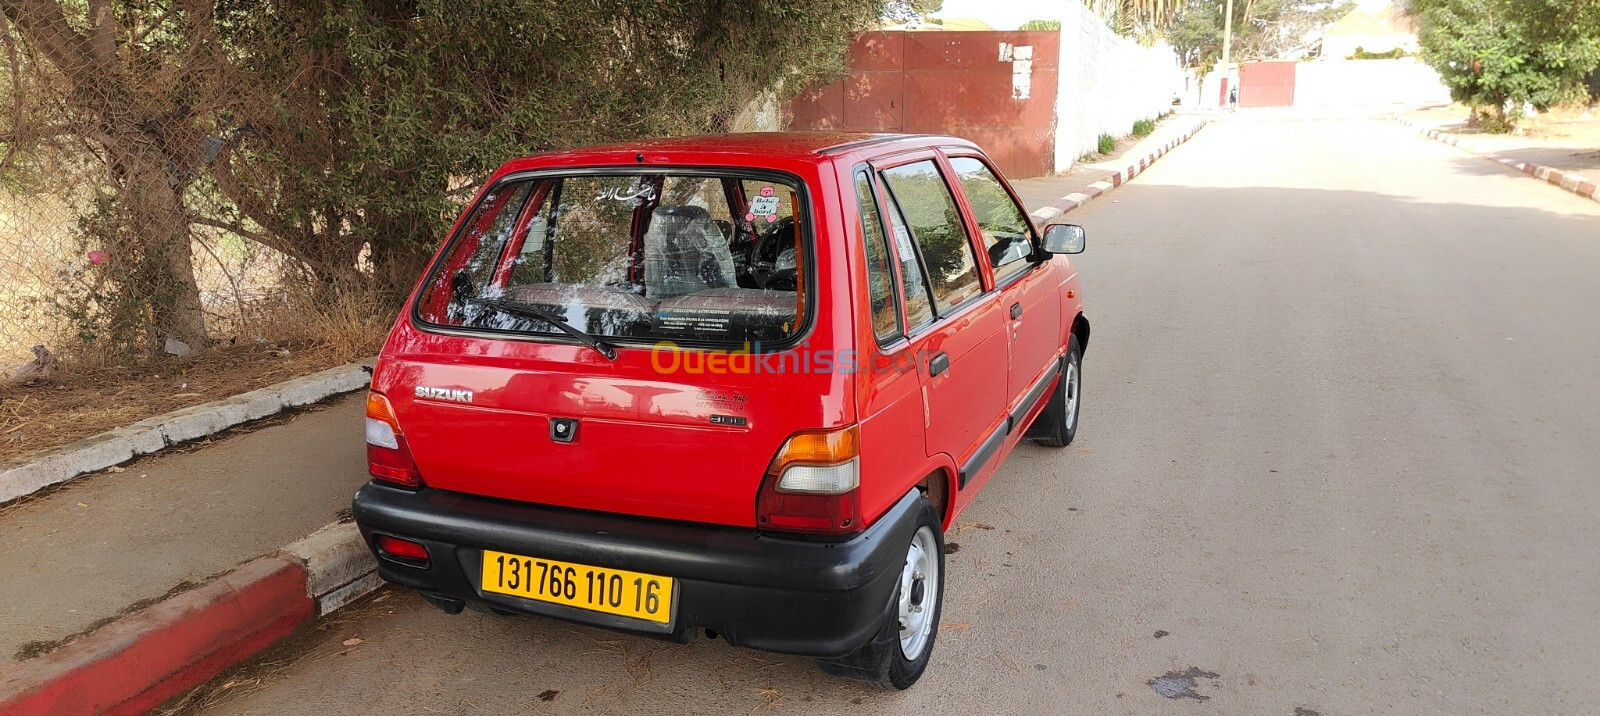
939	364
1016	310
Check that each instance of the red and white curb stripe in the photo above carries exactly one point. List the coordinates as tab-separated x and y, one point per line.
139	661
1113	180
1565	180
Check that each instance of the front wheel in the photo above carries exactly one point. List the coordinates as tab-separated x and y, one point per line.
897	655
1058	423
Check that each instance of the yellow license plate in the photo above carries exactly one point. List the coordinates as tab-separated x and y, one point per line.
613	591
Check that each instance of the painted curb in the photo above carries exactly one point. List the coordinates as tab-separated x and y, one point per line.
1571	182
133	664
339	567
1113	180
32	473
139	661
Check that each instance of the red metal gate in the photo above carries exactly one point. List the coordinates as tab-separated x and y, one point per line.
996	88
1266	84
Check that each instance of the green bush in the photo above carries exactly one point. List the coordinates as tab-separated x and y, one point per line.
1498	55
1108	144
1362	54
1143	127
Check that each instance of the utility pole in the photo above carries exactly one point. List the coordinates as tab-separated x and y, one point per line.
1227	46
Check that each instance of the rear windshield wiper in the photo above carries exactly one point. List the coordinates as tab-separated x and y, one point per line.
529	311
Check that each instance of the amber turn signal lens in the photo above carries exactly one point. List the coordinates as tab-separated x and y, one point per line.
378	408
819	448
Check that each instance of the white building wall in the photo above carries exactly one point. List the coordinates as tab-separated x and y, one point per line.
1106	83
1357	83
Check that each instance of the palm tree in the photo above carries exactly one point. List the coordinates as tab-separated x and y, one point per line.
1136	13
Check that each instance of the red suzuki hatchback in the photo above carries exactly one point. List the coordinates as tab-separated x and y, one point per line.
734	384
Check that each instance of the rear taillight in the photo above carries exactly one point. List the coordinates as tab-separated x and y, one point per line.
401	550
812	484
388	458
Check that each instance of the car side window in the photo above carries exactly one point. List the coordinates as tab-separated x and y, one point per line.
924	201
913	282
885	314
1007	232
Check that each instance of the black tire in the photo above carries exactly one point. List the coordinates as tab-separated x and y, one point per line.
881	662
1053	427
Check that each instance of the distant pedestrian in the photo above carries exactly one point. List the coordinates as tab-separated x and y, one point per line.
1233	99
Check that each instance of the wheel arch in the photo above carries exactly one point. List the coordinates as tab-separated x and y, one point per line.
939	486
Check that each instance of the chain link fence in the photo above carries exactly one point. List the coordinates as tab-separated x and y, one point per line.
110	247
67	286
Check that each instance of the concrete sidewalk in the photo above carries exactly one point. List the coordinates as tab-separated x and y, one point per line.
1570	146
1043	191
1050	197
107	543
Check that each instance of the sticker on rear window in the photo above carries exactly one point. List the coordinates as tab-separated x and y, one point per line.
902	240
765	205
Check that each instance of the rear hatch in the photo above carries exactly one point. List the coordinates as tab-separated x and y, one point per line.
696	280
642	444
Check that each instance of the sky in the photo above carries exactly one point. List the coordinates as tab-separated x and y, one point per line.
1001	14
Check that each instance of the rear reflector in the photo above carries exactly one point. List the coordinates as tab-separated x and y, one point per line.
388	458
401	550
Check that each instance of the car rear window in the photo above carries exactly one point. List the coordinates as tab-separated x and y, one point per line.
686	257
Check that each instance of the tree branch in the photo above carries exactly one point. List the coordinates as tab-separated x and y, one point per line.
44	25
266	240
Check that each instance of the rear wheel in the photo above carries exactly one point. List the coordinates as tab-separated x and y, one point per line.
1058	423
897	655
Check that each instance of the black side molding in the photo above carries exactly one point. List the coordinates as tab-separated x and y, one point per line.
1035	392
985	451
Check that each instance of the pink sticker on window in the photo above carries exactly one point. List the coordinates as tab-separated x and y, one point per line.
765	205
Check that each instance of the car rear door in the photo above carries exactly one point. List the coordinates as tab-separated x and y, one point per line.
955	324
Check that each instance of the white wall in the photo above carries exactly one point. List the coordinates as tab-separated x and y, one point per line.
1107	82
1210	94
1355	83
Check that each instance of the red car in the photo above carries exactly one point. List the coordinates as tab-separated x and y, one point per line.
736	385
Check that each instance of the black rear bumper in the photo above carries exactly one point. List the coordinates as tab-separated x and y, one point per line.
789	595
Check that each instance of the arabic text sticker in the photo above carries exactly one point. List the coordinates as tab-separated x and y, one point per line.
902	239
765	205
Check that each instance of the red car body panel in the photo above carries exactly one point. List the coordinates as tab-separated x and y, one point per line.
647	446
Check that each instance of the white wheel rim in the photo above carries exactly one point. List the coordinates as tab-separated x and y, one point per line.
919	593
1072	393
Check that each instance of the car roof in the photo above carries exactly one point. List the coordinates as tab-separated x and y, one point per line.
811	146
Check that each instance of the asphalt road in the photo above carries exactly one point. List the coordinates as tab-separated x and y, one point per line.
1339	455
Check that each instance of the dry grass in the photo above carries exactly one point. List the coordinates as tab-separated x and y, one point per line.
95	392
